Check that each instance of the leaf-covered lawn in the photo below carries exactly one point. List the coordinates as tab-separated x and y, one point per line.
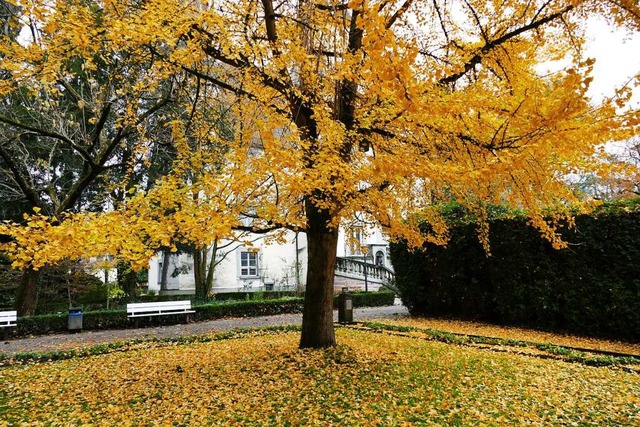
510	332
263	379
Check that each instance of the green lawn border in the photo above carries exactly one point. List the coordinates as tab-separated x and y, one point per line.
566	353
550	351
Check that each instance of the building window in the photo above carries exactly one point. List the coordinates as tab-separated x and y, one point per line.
380	259
248	264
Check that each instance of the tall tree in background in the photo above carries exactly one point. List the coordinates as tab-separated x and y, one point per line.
75	137
376	107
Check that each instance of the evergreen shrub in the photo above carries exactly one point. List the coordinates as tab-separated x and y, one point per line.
370	299
590	288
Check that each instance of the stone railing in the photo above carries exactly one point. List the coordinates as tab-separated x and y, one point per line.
355	269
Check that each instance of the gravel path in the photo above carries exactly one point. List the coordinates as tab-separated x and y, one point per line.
46	343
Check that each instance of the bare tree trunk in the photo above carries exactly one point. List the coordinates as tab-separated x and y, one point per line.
166	256
27	292
199	272
211	269
196	272
317	319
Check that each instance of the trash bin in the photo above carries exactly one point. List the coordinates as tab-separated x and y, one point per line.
75	319
268	286
345	307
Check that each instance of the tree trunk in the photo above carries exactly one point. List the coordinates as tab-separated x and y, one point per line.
199	276
317	318
27	292
166	256
211	269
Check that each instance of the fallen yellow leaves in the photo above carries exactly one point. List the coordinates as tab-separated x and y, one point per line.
510	332
371	379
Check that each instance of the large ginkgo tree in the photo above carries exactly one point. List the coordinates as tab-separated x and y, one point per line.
381	108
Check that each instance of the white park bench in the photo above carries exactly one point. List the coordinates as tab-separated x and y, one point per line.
8	320
144	309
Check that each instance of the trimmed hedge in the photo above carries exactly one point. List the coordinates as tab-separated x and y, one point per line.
222	296
117	319
266	295
370	299
590	288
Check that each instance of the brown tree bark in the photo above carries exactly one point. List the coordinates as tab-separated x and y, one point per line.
317	318
198	271
166	255
26	295
211	268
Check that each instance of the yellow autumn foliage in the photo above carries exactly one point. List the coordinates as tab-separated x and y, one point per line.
375	107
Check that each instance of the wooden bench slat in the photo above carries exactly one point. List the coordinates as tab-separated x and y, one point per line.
8	318
160	303
142	309
162	314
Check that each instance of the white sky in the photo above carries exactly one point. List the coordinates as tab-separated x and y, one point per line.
617	54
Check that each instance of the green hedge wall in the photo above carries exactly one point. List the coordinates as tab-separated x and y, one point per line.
117	319
590	288
370	299
222	296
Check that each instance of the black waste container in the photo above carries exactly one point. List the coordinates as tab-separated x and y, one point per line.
75	319
345	307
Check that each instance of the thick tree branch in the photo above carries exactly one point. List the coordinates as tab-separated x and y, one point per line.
41	132
230	88
70	90
488	47
330	7
97	130
349	89
26	189
267	229
270	22
398	13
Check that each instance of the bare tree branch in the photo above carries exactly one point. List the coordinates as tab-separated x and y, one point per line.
330	7
398	13
42	132
488	47
26	189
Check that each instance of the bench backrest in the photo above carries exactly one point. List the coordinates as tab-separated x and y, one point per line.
8	318
148	307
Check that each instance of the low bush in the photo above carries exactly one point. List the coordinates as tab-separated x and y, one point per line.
263	295
370	299
221	296
248	308
117	319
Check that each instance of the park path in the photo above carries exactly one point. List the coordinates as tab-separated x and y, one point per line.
66	341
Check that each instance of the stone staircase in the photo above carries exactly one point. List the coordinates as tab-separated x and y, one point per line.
359	275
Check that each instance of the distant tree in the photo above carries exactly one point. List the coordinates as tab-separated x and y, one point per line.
77	134
622	182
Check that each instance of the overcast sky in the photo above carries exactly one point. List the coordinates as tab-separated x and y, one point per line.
617	54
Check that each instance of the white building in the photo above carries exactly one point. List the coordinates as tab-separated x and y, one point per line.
280	266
